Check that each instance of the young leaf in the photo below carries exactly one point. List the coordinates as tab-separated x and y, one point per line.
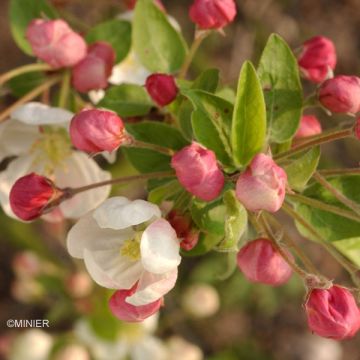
300	170
127	100
22	13
164	192
249	117
279	76
159	46
116	32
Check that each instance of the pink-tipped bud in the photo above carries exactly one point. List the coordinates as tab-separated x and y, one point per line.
130	313
341	94
212	14
332	313
309	126
94	131
161	88
262	263
262	185
198	172
130	4
93	71
357	128
54	42
31	196
317	59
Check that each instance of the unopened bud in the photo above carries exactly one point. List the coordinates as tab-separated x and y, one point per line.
309	126
79	284
161	88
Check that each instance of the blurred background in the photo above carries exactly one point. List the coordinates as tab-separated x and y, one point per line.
236	320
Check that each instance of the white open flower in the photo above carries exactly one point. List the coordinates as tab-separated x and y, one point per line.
126	242
48	153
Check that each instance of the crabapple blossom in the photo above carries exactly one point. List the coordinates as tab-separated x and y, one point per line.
54	42
92	72
262	185
260	262
94	131
130	313
198	172
31	195
161	88
341	94
317	59
212	14
309	126
332	313
37	134
124	243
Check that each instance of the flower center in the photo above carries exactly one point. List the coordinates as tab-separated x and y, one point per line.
131	247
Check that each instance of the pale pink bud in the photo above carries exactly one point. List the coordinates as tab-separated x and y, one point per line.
332	313
357	128
54	42
198	172
309	126
212	14
341	94
130	4
262	185
31	196
79	284
26	264
94	131
317	58
92	72
262	263
130	313
161	88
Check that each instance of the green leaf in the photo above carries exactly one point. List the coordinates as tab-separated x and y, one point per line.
205	244
145	160
22	84
115	32
207	81
164	192
301	169
342	232
249	117
127	100
279	75
159	46
211	123
22	12
235	222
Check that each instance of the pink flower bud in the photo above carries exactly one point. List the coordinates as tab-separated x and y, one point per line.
31	195
309	126
190	240
262	185
198	172
54	42
130	4
93	71
332	313
26	264
212	14
161	88
79	284
341	94
357	128
130	313
95	131
262	263
317	58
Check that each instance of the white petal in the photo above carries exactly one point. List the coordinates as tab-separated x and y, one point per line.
111	270
16	138
86	234
110	157
80	170
120	213
96	95
152	287
160	247
149	348
35	113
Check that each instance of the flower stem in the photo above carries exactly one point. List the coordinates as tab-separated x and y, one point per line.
338	195
64	89
23	70
326	207
335	172
121	180
321	139
200	35
29	96
144	145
